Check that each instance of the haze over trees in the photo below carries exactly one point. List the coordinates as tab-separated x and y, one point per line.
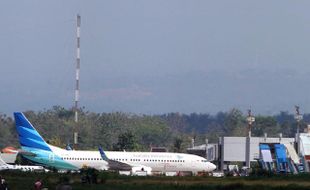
127	131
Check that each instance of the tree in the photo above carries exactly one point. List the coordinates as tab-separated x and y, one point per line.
177	145
234	123
126	141
265	124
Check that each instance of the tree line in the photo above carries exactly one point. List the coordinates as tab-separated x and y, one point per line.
127	131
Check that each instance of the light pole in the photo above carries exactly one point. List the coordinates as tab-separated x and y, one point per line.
250	119
298	118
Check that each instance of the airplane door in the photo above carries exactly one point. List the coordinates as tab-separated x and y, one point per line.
51	158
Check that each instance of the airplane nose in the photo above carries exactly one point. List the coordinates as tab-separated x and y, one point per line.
212	166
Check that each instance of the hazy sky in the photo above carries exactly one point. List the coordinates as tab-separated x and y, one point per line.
156	56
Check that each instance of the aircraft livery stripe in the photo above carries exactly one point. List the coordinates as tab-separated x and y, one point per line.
33	143
28	136
48	158
28	133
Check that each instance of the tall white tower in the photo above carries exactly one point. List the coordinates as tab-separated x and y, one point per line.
77	77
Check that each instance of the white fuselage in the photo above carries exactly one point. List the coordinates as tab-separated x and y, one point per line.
158	161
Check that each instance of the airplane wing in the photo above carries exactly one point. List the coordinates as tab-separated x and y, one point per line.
121	166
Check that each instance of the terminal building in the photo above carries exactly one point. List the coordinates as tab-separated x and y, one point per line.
233	149
208	151
271	153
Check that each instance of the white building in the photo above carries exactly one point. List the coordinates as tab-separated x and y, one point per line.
233	149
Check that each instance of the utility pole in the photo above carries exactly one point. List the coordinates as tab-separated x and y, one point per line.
250	120
298	118
77	77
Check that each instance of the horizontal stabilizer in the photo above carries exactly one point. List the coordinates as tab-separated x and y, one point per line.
26	153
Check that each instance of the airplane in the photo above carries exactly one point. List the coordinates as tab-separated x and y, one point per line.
5	166
36	149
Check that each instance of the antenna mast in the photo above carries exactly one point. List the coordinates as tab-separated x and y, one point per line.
77	76
298	118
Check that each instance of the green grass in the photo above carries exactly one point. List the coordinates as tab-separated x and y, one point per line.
111	181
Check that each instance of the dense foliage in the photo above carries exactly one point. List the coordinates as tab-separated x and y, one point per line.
126	131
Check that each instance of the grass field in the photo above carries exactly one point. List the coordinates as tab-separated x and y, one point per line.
109	181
